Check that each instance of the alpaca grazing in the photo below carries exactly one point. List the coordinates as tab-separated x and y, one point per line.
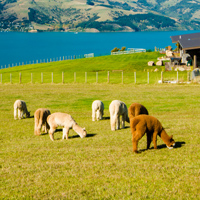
21	109
67	122
142	124
118	108
97	110
136	109
40	117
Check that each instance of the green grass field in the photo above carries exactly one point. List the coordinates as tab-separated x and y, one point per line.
102	165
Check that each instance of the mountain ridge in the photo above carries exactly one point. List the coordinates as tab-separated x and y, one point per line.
99	15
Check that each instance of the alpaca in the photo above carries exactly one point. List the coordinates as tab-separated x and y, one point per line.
136	109
142	124
40	116
67	122
97	110
116	109
21	109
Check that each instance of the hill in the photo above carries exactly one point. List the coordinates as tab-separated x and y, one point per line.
99	15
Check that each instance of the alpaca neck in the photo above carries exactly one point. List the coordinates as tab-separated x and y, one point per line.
166	138
77	128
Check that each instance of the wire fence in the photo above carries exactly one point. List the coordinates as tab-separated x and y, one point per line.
114	77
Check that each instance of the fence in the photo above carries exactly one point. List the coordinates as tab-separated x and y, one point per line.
96	77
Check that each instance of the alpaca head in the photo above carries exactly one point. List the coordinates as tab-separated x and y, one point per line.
171	143
82	133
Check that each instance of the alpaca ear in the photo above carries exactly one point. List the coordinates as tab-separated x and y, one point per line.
171	136
84	128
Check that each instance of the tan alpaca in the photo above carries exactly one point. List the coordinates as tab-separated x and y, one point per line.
136	109
67	122
97	110
20	109
118	108
142	124
40	117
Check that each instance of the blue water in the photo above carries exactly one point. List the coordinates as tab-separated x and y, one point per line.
17	47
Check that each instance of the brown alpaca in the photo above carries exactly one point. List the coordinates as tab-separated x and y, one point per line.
142	124
136	109
40	117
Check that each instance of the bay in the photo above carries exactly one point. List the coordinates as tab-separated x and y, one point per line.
18	47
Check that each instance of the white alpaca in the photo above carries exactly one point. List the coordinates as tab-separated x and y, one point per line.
97	110
21	109
40	117
118	108
67	122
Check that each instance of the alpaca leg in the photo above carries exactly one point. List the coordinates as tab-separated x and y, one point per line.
93	115
36	131
19	114
123	120
43	128
98	115
65	133
15	113
135	139
51	132
118	122
155	140
148	140
112	122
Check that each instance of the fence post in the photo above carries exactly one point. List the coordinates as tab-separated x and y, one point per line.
135	76
96	77
148	77
62	77
188	76
122	77
177	76
74	77
31	77
85	77
20	77
10	78
41	77
52	77
162	77
108	77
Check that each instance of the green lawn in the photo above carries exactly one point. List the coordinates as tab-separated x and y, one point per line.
102	165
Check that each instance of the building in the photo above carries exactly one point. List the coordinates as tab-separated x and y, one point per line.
189	47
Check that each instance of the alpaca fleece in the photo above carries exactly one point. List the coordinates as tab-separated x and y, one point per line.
67	122
118	108
97	110
136	109
142	124
40	117
21	109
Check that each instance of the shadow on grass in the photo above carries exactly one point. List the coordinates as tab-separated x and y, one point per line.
162	146
106	118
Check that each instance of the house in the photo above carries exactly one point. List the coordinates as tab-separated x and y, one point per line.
188	47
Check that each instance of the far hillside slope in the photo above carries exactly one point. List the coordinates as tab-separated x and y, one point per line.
99	15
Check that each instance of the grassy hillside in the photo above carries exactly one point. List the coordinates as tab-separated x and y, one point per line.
128	62
75	70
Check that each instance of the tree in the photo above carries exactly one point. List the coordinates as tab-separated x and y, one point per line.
123	49
115	49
